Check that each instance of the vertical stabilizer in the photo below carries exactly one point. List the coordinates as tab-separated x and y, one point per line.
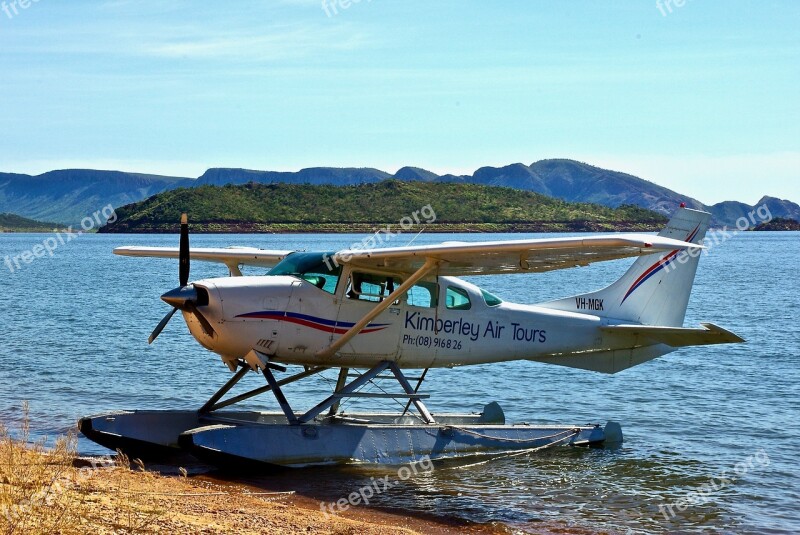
655	290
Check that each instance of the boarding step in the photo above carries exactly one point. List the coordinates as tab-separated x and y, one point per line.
380	395
392	377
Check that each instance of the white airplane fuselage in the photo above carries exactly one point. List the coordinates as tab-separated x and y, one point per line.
359	308
292	320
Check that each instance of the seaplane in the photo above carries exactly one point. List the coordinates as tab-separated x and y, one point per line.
373	315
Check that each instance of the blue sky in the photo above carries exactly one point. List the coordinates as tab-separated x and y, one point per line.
702	98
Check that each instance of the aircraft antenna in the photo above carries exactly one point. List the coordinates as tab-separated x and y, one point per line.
416	236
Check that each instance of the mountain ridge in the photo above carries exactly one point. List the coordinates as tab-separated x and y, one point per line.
68	195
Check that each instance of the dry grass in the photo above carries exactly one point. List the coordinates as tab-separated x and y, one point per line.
43	491
36	494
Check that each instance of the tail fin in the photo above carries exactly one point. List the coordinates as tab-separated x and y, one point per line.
655	290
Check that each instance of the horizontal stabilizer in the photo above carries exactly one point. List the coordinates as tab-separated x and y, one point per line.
675	336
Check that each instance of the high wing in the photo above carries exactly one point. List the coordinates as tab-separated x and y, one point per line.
513	256
233	257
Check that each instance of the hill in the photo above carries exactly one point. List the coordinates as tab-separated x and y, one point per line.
779	223
344	176
70	195
15	223
781	208
67	196
363	208
581	182
563	179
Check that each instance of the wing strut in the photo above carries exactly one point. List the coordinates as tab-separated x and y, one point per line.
429	265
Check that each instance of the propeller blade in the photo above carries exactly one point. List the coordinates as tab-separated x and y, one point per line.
206	326
183	257
183	297
161	325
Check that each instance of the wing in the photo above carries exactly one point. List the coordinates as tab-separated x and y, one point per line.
233	257
514	256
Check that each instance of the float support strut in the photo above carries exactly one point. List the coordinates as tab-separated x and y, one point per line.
209	405
355	384
423	410
276	390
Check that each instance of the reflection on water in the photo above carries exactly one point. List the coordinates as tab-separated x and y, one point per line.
75	330
575	487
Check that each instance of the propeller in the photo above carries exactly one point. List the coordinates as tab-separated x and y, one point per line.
186	297
161	325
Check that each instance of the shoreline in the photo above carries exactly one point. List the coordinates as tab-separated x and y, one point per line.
300	513
53	490
303	503
371	228
394	517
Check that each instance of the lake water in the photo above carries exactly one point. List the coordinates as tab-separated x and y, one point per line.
74	342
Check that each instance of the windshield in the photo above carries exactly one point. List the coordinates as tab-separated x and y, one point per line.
311	267
491	299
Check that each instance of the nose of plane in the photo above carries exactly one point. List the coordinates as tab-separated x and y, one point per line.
187	299
180	297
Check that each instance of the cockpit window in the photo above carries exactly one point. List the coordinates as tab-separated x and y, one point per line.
311	267
491	299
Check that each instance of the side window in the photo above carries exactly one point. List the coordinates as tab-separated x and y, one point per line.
368	287
457	299
423	294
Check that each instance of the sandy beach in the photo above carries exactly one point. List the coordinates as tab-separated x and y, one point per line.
132	500
52	490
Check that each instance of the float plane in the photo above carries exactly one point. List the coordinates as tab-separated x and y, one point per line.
372	314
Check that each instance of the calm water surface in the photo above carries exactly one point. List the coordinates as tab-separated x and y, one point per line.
74	342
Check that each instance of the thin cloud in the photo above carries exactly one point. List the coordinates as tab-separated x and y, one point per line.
271	45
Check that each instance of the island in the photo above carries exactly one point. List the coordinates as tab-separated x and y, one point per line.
779	223
367	208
